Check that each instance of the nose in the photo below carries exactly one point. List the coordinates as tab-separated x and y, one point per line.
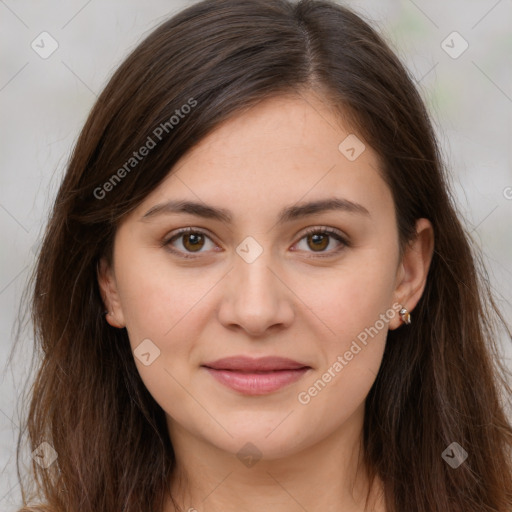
256	298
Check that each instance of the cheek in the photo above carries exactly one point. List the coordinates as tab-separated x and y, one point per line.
168	307
352	297
357	315
163	312
157	298
355	305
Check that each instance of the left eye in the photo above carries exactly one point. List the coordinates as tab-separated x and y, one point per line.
319	240
193	240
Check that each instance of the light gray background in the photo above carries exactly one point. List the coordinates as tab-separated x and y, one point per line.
44	103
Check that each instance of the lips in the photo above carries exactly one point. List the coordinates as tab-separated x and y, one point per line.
261	376
251	365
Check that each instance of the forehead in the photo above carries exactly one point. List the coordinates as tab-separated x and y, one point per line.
284	150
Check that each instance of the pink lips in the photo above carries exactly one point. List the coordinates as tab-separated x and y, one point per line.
256	376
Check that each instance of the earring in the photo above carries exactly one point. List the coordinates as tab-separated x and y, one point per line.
405	316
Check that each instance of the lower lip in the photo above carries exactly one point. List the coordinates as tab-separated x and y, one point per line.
257	383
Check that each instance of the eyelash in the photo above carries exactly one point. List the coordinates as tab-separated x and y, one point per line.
311	231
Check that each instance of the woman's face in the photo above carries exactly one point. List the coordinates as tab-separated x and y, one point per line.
265	270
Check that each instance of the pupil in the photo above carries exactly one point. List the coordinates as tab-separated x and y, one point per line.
318	240
193	239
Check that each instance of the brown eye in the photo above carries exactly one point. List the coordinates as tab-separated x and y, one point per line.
318	241
193	241
187	242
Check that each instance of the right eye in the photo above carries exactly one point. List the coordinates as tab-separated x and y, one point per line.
191	240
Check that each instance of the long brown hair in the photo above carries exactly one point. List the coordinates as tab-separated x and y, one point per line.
441	380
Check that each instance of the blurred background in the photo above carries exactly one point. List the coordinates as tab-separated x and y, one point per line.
57	56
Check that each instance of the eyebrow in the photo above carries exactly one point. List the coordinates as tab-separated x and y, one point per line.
287	214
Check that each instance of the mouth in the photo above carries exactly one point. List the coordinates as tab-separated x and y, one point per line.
244	364
256	382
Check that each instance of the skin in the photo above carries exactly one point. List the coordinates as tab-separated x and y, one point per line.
290	301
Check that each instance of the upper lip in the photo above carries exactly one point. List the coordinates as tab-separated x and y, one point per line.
243	363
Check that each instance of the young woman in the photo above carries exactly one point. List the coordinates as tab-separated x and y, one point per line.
254	290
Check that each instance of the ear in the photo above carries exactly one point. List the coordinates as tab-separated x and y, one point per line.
109	294
413	269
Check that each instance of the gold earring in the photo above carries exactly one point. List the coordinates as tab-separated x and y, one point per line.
405	316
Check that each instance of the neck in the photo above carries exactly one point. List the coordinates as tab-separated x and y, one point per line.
328	476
